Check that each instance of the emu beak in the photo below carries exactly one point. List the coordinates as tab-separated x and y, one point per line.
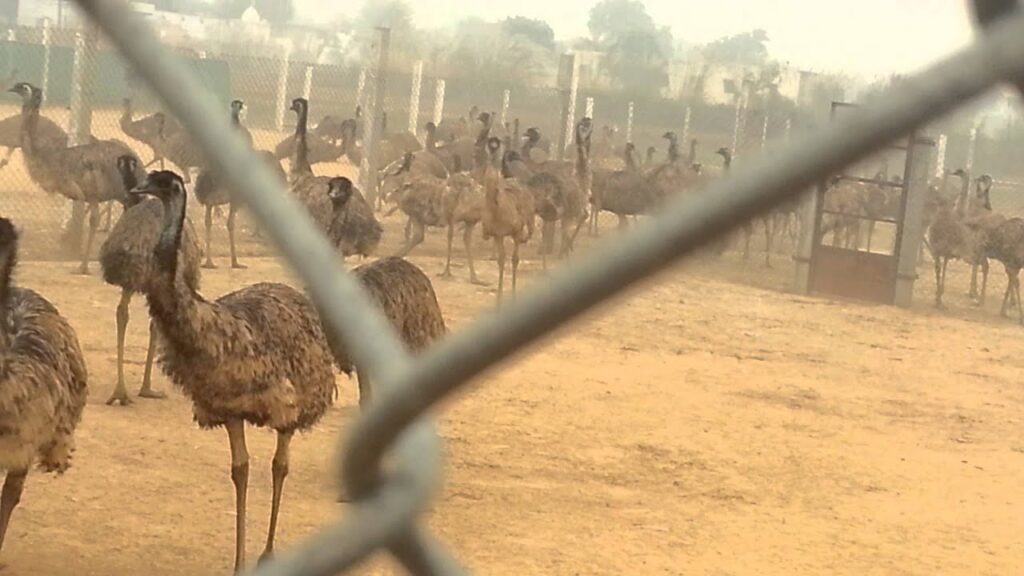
144	189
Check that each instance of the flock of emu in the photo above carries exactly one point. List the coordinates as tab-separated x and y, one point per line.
260	355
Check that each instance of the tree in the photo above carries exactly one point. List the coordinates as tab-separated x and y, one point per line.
610	20
273	11
637	52
393	14
537	31
747	48
486	52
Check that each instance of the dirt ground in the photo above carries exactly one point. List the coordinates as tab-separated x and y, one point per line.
707	423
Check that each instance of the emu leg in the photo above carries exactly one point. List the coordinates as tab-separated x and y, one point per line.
279	469
499	246
209	235
769	232
748	231
240	478
515	265
94	224
232	212
973	293
108	216
418	233
467	240
448	253
1016	294
120	395
13	486
1006	294
71	238
984	281
938	282
147	376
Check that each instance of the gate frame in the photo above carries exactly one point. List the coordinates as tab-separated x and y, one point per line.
900	267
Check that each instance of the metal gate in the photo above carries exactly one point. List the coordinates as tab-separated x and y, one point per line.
864	211
388	501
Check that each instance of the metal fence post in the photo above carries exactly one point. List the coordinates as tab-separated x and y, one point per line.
764	133
439	101
940	157
374	103
919	153
686	125
83	90
307	82
506	100
47	42
629	123
282	90
361	88
414	97
568	85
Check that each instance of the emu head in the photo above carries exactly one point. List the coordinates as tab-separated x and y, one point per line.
339	190
300	105
162	184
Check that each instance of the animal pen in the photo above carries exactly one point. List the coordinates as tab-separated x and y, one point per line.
388	500
884	274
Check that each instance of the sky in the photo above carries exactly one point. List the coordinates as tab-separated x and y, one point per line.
870	38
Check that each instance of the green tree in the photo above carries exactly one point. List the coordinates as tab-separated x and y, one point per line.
637	52
537	31
393	14
747	48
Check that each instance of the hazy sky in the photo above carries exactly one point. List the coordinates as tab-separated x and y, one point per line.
867	37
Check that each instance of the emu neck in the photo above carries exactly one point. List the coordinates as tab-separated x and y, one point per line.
167	246
300	164
6	269
673	152
30	123
130	181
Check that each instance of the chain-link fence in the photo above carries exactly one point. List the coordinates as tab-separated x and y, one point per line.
387	504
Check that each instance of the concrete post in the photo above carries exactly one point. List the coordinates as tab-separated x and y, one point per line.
307	82
414	97
47	42
629	123
506	101
439	101
568	84
918	154
282	89
589	110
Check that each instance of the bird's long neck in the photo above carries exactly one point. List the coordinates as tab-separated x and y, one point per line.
181	315
630	161
582	154
167	246
30	121
130	181
527	147
673	151
300	163
8	258
236	118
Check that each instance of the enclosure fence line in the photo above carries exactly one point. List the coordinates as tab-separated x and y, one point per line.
387	504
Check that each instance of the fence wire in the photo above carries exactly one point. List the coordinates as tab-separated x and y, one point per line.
385	514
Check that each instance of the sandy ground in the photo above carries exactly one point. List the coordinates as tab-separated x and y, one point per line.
707	423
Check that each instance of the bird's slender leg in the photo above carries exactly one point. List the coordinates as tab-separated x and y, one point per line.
984	281
120	395
467	240
414	239
938	282
448	254
1016	293
232	211
515	265
13	486
147	376
240	478
209	232
279	469
769	233
94	223
499	245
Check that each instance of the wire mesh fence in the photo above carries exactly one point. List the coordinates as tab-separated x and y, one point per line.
384	514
